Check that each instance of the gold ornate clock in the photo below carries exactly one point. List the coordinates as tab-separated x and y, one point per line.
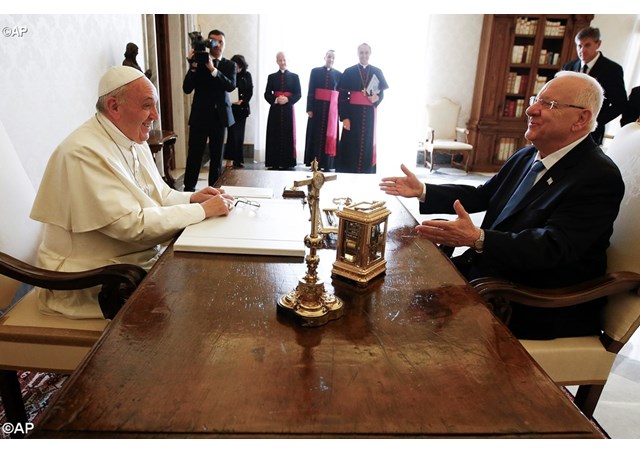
362	237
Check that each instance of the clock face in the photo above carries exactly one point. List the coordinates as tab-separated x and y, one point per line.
352	238
318	180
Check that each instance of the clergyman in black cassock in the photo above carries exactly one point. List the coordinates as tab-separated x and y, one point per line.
361	91
322	108
282	92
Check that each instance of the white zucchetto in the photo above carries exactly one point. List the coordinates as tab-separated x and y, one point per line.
117	77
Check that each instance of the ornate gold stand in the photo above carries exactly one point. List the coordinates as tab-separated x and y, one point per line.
310	302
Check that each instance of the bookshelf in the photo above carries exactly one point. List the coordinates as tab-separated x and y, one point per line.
518	55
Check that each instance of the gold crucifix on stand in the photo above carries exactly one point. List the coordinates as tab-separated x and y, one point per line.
310	302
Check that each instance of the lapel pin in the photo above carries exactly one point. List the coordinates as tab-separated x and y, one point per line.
550	181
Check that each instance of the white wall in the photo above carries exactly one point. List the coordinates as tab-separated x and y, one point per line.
452	59
49	76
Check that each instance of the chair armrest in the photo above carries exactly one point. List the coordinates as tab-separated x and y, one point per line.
464	132
430	134
606	285
118	280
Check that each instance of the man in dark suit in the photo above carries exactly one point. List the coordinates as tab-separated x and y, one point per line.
558	234
605	71
213	78
632	108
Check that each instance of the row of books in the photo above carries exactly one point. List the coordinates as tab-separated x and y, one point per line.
517	83
549	57
554	28
540	81
514	108
525	26
522	54
506	147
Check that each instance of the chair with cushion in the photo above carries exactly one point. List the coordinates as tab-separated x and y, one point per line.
587	361
30	340
445	137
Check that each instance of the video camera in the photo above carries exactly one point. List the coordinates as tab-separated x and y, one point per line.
200	47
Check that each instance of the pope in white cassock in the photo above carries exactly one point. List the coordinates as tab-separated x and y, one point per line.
102	199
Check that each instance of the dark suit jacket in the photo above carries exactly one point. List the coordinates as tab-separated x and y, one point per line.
632	108
245	93
611	78
211	98
558	236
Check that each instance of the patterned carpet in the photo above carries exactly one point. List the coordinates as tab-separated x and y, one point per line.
37	390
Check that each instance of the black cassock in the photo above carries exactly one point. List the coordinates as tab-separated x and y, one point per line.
321	140
281	123
357	150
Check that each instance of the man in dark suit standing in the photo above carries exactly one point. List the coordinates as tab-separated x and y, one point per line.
632	108
213	78
607	72
558	232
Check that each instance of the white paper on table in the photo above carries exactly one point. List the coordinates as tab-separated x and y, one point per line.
278	228
248	192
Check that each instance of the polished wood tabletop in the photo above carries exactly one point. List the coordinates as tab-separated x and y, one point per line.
201	351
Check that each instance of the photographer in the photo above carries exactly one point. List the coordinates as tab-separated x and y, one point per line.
213	78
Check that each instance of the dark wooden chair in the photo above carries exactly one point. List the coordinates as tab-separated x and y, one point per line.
30	340
587	361
164	141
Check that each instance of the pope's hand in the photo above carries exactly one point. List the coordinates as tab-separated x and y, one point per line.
218	205
205	194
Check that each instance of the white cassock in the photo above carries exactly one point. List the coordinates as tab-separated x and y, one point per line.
99	207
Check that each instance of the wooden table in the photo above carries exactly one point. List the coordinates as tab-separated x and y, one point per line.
200	351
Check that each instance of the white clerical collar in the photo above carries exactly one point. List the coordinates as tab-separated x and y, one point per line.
113	131
592	63
554	157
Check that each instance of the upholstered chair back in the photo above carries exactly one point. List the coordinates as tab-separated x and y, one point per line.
622	315
19	235
442	117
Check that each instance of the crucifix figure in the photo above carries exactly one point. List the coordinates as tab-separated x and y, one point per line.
314	184
309	301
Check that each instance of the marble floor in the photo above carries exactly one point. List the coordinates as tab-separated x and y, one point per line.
618	411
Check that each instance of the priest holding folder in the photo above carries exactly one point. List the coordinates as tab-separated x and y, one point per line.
361	91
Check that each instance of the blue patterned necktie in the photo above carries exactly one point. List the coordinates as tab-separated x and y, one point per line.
521	191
